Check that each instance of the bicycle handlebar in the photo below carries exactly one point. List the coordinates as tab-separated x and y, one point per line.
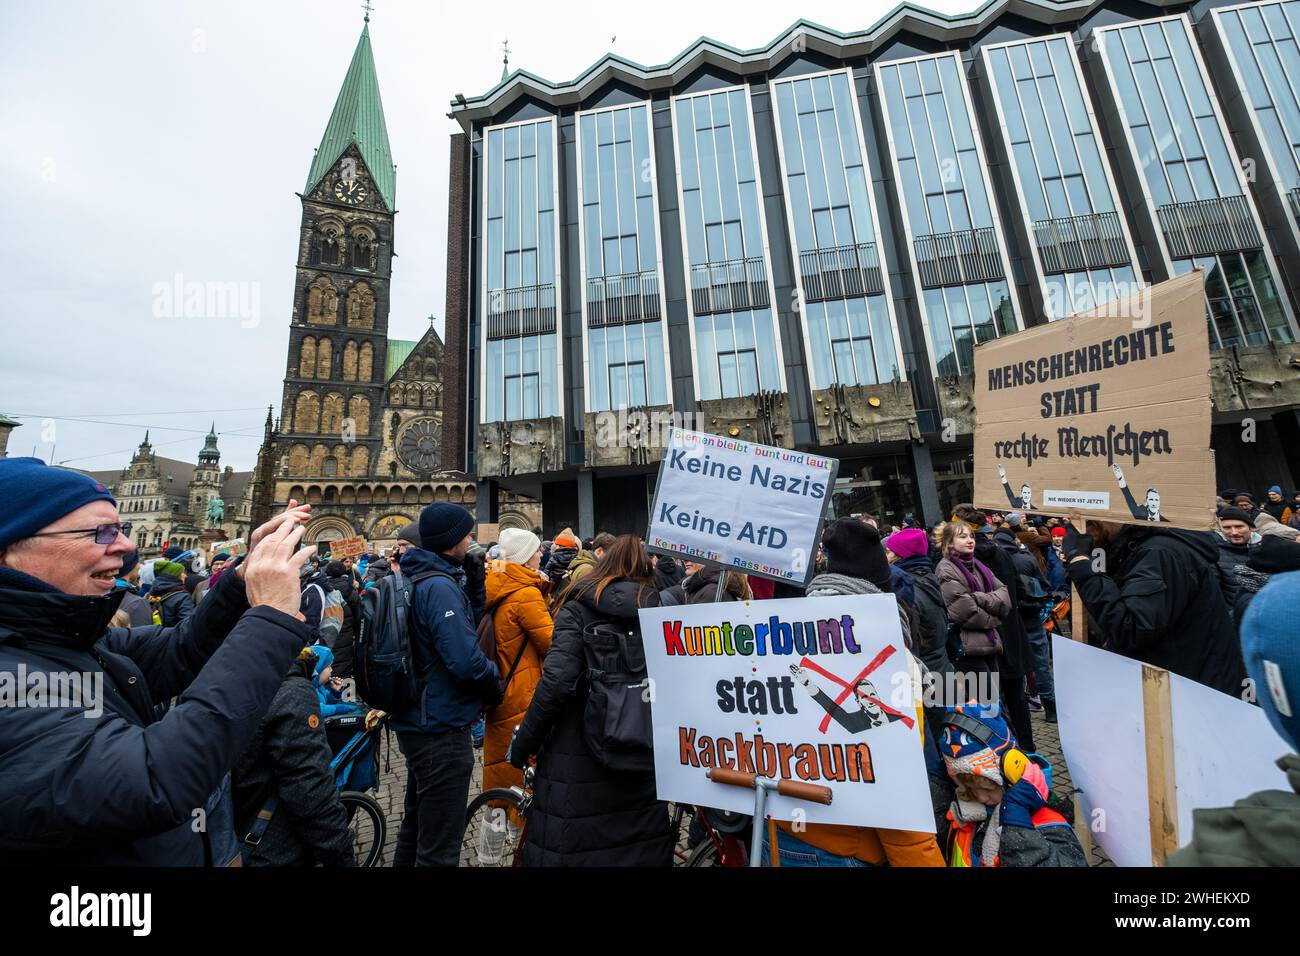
787	788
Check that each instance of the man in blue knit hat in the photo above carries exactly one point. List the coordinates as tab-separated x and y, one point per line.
458	682
89	773
1262	829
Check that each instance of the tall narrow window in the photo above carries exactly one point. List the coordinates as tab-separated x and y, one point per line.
956	247
1190	169
520	308
626	363
735	339
847	313
1080	244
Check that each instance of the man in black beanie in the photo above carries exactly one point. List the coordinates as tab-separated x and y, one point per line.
458	682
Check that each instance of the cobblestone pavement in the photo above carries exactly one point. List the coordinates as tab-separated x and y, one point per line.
392	784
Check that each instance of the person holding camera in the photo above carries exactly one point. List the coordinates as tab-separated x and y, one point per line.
98	777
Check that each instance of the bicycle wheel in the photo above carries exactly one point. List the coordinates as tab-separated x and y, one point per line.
366	818
491	837
706	854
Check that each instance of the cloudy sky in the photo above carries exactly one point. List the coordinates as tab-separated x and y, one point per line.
156	142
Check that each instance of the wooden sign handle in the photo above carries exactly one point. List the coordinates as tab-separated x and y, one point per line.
1078	614
1162	795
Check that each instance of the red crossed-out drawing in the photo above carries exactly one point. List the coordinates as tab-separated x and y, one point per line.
849	685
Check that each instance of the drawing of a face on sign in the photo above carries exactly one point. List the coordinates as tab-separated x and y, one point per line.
866	712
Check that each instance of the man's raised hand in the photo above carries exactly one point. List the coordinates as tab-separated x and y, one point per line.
292	515
272	575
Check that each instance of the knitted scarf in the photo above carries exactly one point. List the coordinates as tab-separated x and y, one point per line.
983	583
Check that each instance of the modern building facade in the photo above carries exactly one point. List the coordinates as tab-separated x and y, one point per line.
802	244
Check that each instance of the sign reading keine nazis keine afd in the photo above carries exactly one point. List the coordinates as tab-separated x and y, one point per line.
733	503
817	690
1104	415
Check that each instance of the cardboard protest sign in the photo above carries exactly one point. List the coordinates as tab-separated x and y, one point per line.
753	508
1223	748
817	690
234	547
1105	414
353	547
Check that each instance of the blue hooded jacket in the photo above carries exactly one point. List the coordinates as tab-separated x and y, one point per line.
331	701
458	679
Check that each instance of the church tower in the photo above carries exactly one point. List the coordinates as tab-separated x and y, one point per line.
206	483
332	406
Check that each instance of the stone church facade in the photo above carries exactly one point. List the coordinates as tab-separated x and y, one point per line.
360	429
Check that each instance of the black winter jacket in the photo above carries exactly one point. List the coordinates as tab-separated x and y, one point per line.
289	758
173	601
930	635
702	588
342	646
120	788
668	572
558	563
1161	602
1026	566
583	814
1017	657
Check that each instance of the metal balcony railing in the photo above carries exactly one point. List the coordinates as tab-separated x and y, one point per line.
958	258
623	300
1294	197
729	286
841	272
1204	227
1075	243
512	313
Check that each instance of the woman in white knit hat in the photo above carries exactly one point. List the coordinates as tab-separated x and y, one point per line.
516	595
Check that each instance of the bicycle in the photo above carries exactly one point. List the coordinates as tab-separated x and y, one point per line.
492	837
723	842
356	764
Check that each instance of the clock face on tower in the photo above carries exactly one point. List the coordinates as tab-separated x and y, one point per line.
350	192
420	445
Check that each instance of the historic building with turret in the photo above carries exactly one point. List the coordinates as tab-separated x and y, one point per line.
172	502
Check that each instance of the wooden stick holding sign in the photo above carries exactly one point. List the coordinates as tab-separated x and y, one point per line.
1078	613
1162	797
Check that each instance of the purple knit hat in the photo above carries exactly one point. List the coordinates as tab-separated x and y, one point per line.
908	543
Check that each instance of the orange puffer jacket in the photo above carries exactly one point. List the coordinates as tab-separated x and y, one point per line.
518	595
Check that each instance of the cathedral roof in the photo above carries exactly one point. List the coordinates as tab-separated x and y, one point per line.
358	117
399	350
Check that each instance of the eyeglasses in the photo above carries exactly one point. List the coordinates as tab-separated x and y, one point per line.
104	533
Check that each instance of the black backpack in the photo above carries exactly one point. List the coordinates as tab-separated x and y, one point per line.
383	667
616	721
927	598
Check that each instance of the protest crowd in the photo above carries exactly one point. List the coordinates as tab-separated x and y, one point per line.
220	678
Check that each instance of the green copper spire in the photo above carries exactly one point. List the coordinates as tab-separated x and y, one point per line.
358	117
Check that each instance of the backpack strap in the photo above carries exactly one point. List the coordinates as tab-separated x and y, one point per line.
518	657
491	610
262	821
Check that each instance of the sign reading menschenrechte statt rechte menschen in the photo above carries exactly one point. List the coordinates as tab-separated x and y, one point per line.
1104	415
737	504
